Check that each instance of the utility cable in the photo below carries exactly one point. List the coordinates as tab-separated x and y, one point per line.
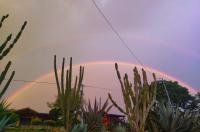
51	83
117	34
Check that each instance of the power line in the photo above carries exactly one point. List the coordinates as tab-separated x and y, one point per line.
28	81
91	86
51	83
117	34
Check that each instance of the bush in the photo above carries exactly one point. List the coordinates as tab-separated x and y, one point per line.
36	121
49	123
120	128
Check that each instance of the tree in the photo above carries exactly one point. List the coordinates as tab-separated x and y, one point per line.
5	48
69	96
194	104
179	95
138	98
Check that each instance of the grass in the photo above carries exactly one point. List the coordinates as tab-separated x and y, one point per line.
32	130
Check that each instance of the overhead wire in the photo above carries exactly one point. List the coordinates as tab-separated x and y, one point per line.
118	34
51	83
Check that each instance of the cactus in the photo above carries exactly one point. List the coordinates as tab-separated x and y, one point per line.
69	96
5	48
94	115
138	98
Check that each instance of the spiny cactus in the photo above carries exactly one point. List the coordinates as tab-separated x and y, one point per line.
5	48
69	96
138	98
93	116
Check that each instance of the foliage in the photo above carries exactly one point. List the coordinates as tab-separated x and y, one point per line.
119	128
93	116
179	95
194	104
49	122
166	118
69	96
55	114
29	130
81	127
7	114
36	121
5	48
138	99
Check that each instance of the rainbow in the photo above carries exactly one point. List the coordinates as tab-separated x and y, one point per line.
162	74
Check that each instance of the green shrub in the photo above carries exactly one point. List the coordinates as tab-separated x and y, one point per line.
49	123
36	121
81	127
120	128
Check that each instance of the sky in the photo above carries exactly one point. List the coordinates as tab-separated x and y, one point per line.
164	35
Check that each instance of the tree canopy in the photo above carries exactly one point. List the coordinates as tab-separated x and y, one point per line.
178	94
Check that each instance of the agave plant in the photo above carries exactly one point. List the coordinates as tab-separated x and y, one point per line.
138	98
93	115
3	119
7	118
169	119
81	127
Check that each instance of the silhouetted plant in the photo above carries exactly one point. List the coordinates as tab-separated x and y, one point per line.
138	98
5	48
69	96
93	115
49	123
36	121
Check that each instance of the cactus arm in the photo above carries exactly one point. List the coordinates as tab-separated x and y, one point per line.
116	105
70	73
3	45
7	84
3	19
5	52
56	75
67	82
2	77
3	74
75	85
62	77
81	73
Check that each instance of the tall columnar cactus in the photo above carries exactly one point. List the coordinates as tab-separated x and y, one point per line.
5	48
138	98
69	96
